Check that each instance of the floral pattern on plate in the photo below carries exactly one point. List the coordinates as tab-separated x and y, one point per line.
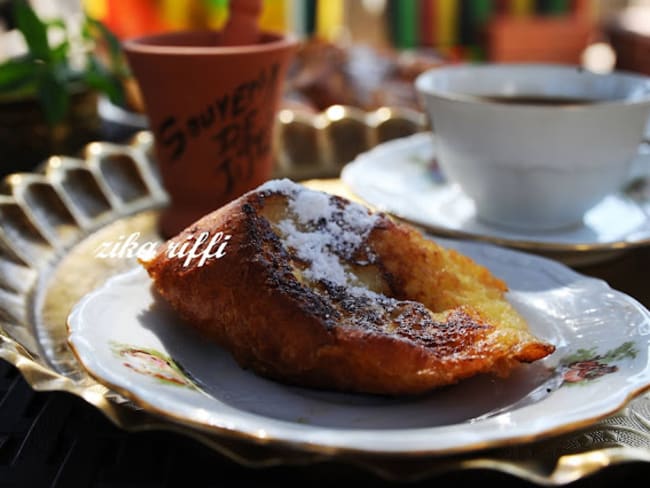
152	362
586	365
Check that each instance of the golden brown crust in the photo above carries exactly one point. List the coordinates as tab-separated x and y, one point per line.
445	317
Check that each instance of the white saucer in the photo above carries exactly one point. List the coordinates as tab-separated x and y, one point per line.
400	177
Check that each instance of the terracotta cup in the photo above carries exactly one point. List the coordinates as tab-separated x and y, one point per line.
212	111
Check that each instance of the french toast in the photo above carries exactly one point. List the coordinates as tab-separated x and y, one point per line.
318	291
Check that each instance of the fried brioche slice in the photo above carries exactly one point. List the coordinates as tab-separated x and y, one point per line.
315	290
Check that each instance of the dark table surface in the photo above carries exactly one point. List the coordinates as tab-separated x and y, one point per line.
56	439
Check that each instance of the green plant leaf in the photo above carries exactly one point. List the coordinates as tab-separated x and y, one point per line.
99	78
56	23
33	30
104	33
47	72
97	31
54	97
59	54
16	74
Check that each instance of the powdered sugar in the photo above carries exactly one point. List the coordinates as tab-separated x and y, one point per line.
309	247
311	206
284	186
324	233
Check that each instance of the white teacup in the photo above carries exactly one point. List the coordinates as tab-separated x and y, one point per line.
542	161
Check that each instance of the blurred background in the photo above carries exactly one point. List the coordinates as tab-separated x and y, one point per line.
356	53
496	30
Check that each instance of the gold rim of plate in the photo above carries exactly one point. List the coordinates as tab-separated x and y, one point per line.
53	219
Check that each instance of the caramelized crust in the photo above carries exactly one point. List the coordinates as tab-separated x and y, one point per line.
409	315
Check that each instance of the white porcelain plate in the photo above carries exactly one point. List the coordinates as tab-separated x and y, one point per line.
401	177
129	340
